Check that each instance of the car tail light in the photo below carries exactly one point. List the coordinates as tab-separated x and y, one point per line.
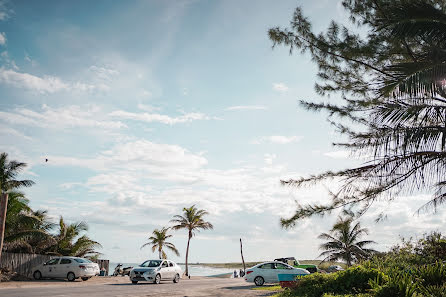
82	266
249	271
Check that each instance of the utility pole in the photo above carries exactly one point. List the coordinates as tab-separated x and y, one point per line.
3	206
241	252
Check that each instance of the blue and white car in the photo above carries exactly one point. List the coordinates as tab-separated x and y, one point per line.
268	272
155	271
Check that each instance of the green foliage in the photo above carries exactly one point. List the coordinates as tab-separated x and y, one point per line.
401	272
193	221
30	231
388	72
354	280
344	244
159	242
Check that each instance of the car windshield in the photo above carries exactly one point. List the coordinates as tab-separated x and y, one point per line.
82	260
151	263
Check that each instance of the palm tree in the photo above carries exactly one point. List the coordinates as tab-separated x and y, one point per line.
158	242
25	230
70	243
343	242
8	182
192	220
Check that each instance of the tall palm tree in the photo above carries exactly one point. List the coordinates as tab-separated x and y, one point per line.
8	182
191	220
158	242
69	241
343	242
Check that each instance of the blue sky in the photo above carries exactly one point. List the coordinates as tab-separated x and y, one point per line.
146	107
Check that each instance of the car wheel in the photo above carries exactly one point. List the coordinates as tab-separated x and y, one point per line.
177	278
37	275
71	277
134	282
259	281
157	279
85	278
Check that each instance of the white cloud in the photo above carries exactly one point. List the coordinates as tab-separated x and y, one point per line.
8	132
159	118
89	116
147	107
278	139
103	72
280	87
269	158
146	93
2	38
338	154
5	12
45	84
246	107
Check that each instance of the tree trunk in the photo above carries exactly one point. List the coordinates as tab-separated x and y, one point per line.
187	252
3	209
241	252
160	254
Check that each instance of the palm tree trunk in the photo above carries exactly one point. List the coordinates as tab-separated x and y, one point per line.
241	252
160	253
3	209
187	252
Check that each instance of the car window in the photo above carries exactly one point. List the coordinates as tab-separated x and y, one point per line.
171	264
52	261
164	264
281	266
151	263
65	261
267	266
82	260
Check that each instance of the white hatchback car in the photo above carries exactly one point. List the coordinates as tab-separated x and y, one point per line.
155	271
268	272
70	268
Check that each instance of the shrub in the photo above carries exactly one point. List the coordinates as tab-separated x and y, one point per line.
354	280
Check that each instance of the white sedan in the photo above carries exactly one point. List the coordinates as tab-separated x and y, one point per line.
268	272
155	271
70	268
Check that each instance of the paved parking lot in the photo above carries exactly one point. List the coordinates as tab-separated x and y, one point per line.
121	286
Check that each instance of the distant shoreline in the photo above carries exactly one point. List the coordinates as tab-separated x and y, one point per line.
238	265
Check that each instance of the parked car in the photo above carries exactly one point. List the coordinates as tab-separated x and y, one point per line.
334	268
268	272
293	262
70	268
155	271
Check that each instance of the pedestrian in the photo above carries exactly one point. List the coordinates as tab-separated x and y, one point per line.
235	274
241	273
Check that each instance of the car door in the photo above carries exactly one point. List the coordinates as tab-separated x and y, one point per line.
50	268
267	272
64	267
164	270
172	270
282	269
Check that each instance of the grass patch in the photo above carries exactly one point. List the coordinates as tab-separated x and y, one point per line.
275	288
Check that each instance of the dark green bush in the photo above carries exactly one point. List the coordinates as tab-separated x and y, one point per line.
351	281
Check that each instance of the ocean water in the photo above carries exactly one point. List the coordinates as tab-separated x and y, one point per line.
194	270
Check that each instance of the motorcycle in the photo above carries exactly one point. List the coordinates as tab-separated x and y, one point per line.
119	270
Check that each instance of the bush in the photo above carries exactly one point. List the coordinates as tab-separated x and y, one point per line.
354	280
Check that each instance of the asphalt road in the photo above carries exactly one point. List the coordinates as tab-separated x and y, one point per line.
113	288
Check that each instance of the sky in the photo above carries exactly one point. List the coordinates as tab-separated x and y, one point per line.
143	108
